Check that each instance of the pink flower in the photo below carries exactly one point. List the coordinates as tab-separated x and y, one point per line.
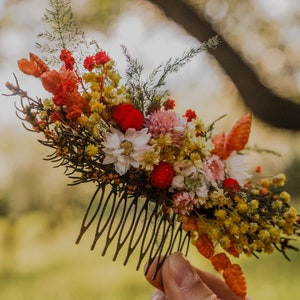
183	202
214	169
163	122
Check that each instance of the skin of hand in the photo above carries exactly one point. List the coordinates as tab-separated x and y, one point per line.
178	280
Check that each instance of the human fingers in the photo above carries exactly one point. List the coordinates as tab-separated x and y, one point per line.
182	282
153	275
158	295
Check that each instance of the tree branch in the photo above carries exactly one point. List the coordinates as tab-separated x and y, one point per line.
265	105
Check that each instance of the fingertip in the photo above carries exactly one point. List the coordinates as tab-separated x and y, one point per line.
158	295
153	274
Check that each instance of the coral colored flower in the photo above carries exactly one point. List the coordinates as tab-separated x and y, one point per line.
101	58
52	80
124	150
231	184
162	175
127	116
190	115
73	112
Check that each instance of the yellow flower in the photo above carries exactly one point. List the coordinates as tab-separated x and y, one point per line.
148	159
225	242
98	107
285	197
91	150
47	103
252	227
279	180
221	214
242	207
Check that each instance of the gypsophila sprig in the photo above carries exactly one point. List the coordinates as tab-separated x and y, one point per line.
163	179
63	32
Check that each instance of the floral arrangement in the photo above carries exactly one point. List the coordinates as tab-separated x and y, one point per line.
190	183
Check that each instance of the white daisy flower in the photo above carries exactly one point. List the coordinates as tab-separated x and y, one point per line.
124	150
235	167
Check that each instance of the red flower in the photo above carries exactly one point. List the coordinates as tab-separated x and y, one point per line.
169	104
127	116
67	57
190	115
101	58
89	63
162	175
231	184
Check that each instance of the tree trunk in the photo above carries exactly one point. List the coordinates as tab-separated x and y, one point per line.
265	105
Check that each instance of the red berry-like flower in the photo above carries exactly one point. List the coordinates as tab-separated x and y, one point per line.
101	58
67	57
162	175
169	104
127	116
89	63
231	184
190	115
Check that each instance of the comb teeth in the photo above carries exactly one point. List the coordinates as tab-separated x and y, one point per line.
132	225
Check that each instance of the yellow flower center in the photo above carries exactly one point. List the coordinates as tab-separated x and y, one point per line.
128	148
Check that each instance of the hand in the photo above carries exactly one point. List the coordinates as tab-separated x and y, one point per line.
178	280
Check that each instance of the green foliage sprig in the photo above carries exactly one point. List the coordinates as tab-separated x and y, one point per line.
148	93
63	32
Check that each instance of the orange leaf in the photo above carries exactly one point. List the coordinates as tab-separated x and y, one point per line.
220	262
219	143
35	66
205	246
238	136
235	280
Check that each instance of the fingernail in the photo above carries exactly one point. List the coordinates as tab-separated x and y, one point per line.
181	271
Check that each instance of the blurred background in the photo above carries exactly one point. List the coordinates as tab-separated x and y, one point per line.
256	68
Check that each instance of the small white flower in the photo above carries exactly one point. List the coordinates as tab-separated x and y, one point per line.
235	167
124	150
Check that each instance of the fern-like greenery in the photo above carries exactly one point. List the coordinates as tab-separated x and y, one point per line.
63	32
148	94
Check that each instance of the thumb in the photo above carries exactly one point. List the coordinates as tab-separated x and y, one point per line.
181	282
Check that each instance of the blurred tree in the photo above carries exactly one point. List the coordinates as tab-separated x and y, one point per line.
272	98
264	103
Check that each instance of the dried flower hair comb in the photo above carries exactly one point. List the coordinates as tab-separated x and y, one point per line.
163	180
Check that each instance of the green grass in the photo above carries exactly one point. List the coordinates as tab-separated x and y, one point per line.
38	262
